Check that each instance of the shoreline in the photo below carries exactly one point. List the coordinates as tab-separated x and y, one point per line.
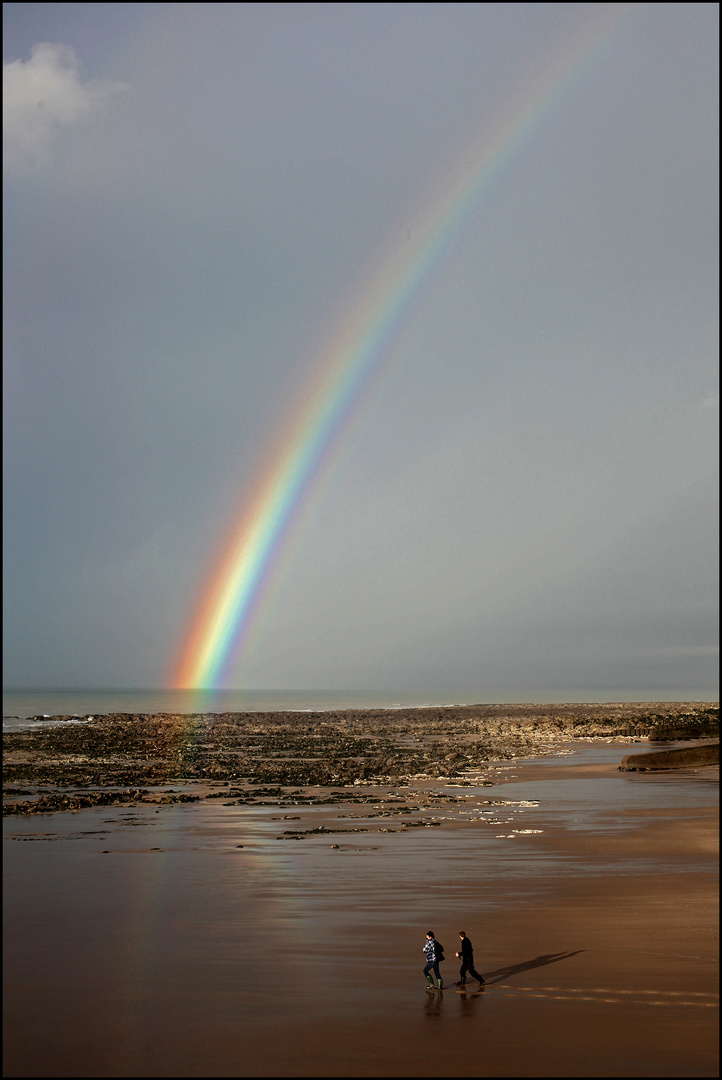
121	757
203	939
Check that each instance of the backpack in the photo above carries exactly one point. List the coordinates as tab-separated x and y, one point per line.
439	951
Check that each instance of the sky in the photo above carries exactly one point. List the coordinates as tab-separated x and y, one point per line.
525	497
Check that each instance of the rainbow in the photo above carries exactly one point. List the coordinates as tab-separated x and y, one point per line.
241	573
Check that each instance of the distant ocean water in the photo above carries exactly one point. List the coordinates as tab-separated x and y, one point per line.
18	705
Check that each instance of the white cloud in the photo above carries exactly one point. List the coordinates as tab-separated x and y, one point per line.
41	96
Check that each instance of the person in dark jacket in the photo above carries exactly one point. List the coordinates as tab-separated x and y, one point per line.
466	955
432	952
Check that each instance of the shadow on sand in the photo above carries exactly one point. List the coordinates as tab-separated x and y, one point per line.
540	961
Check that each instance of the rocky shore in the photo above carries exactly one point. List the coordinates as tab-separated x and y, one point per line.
272	924
257	757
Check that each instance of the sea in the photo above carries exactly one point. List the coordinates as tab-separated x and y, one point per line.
20	705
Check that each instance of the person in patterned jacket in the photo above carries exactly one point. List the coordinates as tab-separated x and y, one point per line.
432	952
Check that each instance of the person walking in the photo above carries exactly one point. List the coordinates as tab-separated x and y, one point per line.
434	954
466	955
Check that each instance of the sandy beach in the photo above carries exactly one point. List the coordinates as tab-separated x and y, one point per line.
283	937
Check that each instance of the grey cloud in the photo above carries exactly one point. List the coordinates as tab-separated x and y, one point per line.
42	96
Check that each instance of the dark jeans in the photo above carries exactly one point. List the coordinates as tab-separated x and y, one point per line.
435	965
468	965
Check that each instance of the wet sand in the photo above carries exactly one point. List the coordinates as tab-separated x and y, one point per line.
206	939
